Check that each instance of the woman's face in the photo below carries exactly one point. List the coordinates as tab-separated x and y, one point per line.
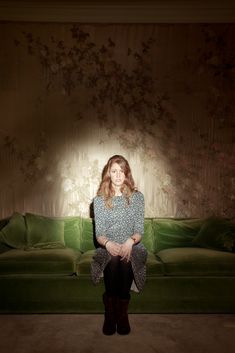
117	175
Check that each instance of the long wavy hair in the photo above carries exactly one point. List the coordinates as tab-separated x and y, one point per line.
106	189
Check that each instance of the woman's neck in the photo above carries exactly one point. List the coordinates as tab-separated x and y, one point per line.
117	191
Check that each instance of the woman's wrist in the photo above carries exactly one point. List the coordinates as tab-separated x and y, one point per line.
134	239
105	243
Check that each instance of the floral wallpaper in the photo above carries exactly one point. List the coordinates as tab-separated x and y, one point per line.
72	95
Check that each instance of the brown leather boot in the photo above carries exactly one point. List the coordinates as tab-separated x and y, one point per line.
123	326
109	326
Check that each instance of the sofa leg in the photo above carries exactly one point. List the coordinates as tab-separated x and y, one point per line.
109	326
123	325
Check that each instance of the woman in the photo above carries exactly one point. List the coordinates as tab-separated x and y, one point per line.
121	257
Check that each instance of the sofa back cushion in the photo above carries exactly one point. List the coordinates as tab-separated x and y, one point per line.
148	238
73	232
174	233
13	233
3	222
44	232
88	236
3	246
216	233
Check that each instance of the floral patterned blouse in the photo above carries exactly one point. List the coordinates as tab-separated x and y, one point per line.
122	220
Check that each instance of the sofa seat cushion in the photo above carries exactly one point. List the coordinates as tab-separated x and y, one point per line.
84	263
197	262
51	261
153	265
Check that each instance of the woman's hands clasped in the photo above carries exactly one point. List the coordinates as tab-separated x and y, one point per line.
113	248
123	250
126	249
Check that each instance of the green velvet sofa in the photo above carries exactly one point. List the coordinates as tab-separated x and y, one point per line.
45	266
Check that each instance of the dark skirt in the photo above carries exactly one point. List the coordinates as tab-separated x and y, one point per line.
138	262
